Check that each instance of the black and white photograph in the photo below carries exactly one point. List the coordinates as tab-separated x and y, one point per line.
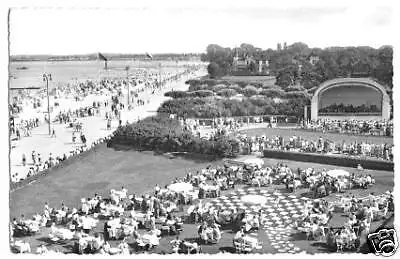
200	127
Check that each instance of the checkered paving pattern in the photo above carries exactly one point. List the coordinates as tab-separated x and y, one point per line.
280	239
278	221
288	210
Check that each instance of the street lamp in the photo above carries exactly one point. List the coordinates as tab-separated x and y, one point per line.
127	82
47	78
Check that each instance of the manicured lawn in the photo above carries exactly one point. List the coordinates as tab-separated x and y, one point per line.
287	133
98	172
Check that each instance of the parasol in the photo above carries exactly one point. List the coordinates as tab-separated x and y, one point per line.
337	173
254	161
181	187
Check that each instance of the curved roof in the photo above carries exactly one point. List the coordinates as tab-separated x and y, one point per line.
346	81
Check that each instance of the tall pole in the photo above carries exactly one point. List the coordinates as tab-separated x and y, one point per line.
159	71
46	78
48	105
127	82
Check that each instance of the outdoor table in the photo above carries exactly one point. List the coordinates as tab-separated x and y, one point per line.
181	187
171	207
21	246
112	209
150	240
251	241
114	223
32	225
64	234
170	222
140	217
114	250
194	194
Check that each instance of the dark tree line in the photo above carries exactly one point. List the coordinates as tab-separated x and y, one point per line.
292	65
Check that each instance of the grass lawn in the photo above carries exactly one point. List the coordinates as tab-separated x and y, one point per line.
98	172
106	168
287	133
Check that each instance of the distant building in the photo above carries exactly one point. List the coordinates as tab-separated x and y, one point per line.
243	63
313	59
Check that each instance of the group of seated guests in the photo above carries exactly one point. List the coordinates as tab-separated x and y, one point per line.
122	221
360	212
209	232
359	127
316	216
320	182
185	247
300	178
125	214
244	242
299	144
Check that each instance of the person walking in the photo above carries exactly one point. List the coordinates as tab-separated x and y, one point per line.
34	157
51	159
53	133
18	134
108	124
83	139
23	159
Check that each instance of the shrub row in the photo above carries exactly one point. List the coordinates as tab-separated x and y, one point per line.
162	134
374	164
212	107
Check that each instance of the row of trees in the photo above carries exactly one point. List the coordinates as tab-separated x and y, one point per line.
161	133
222	107
229	91
291	66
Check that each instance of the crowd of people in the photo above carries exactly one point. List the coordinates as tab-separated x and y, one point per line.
360	213
320	145
140	221
358	127
225	126
112	106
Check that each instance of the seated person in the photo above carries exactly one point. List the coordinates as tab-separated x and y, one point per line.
176	243
42	249
352	220
239	235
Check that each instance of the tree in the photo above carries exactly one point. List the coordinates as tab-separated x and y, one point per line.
213	70
227	93
248	48
298	47
250	91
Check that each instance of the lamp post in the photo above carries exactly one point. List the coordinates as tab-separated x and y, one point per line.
47	78
127	83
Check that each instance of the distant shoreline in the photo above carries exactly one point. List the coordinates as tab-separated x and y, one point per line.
110	57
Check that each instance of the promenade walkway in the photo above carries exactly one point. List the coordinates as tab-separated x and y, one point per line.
94	128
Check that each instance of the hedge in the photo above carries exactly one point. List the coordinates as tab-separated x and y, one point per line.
374	164
162	134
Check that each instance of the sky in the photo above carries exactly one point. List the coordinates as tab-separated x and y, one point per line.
184	28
